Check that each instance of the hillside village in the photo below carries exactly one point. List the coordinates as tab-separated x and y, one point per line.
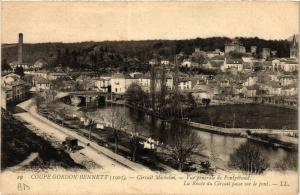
224	76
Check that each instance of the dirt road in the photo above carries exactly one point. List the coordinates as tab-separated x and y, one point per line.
100	155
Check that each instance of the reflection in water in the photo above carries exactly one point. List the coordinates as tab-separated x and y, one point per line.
218	147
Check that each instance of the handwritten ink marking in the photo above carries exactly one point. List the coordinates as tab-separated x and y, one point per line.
23	187
20	177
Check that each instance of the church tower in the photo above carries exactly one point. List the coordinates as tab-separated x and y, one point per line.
294	49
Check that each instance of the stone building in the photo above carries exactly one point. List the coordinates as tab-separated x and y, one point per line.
234	46
13	89
266	53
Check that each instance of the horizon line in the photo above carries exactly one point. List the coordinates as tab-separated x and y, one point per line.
124	40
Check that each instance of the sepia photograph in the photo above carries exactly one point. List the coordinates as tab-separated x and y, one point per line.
149	97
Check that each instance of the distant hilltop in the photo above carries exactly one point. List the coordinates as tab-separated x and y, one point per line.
118	53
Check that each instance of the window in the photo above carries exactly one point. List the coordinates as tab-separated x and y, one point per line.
116	90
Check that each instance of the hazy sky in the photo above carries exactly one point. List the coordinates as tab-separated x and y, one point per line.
98	21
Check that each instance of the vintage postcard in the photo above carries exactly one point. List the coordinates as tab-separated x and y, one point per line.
149	97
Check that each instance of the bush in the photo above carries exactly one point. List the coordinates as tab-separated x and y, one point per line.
248	157
289	162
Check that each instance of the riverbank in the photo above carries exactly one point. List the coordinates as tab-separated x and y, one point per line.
280	106
265	138
222	103
280	138
157	160
150	127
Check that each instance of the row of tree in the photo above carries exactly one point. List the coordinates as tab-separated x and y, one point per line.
128	54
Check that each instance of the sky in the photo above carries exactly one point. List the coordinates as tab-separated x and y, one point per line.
99	21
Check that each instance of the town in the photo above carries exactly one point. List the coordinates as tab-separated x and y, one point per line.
238	76
101	107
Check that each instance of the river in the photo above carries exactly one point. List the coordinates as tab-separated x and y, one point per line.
219	146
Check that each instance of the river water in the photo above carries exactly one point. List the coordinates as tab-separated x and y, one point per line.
220	146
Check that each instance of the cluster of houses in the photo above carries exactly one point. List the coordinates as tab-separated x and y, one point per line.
13	89
236	78
222	61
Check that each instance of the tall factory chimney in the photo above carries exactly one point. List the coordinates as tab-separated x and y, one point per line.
20	49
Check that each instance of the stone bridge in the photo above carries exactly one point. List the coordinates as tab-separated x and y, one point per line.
85	96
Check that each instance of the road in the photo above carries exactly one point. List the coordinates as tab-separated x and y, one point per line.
100	155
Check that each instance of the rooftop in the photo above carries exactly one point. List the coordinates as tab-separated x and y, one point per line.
121	76
234	60
41	80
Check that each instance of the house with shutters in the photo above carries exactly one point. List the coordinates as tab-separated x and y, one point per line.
232	63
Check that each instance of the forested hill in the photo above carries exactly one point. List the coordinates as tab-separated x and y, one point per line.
110	53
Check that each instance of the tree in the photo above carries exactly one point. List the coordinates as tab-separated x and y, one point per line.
191	101
50	94
206	101
91	126
176	104
39	100
248	157
78	53
5	66
134	143
63	113
288	162
163	90
135	95
19	71
92	119
200	59
78	86
185	143
153	89
58	84
118	122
